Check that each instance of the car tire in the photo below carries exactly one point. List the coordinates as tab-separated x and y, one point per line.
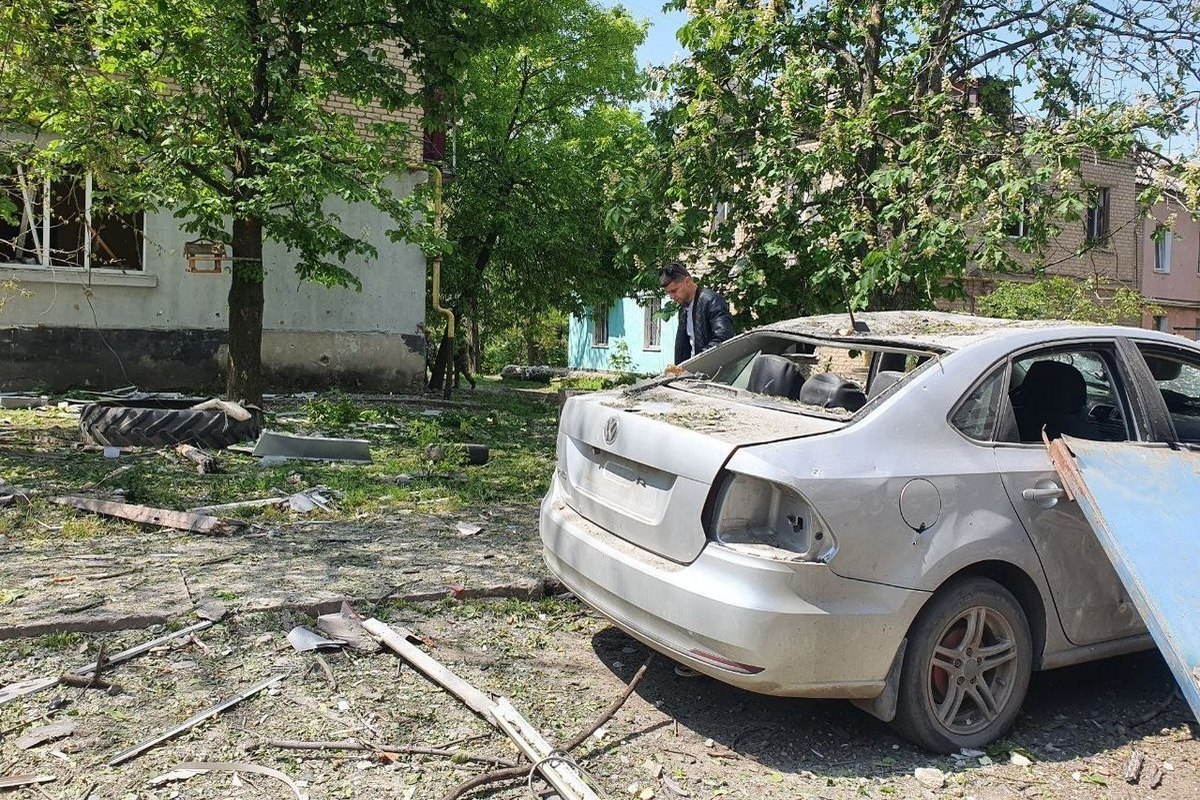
966	668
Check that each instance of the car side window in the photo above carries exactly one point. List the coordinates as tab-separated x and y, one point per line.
1072	392
977	412
1178	379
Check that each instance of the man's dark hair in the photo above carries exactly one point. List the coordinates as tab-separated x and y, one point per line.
671	273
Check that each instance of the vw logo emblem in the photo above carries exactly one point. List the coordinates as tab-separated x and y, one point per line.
610	430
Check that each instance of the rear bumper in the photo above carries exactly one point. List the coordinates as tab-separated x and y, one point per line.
789	629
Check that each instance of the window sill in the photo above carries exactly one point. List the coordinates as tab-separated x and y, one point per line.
603	346
652	349
96	277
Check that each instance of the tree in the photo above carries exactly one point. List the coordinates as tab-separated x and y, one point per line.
1091	300
544	126
222	111
869	152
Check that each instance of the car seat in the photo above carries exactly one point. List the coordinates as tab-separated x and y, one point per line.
830	390
1053	395
776	376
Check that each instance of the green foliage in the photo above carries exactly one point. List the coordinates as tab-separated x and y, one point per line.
545	337
544	125
333	410
854	167
619	359
1092	300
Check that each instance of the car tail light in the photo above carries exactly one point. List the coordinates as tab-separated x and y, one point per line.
762	518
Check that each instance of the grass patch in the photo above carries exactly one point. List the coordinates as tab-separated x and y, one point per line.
38	448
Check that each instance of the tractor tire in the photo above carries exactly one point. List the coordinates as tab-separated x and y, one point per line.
164	423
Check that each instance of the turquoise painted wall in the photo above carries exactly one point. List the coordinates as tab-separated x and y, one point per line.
626	322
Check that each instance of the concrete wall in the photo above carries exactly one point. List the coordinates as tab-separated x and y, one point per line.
626	322
164	328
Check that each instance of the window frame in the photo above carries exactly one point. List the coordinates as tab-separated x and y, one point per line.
1162	249
1142	347
652	326
1096	221
600	323
43	225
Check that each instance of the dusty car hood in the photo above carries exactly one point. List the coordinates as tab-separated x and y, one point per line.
641	466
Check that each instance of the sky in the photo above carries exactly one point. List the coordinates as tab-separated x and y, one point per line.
660	46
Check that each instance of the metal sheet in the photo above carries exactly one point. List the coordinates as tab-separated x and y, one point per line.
1143	502
311	448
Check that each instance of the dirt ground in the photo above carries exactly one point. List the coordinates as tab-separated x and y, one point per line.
466	575
560	665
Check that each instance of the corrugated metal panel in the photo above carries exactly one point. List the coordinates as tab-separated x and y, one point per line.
1143	502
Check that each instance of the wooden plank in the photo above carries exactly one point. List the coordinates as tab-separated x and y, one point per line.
181	520
193	721
558	771
397	640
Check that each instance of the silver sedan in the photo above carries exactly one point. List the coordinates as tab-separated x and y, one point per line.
866	511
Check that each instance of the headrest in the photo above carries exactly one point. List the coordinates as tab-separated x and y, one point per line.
1163	369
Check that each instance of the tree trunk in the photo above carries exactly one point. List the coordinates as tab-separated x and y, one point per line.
245	379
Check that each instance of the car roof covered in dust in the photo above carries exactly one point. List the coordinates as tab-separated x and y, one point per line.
943	330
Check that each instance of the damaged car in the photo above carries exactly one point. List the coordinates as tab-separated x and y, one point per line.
866	510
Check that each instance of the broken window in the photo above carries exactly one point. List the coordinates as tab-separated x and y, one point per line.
1178	379
57	223
1067	392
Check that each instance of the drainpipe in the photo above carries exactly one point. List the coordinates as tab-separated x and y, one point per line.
437	266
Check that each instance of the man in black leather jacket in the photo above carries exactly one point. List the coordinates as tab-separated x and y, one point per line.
704	319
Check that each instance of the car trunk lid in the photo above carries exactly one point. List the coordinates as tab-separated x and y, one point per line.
641	466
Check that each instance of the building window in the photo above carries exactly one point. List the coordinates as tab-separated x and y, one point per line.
52	224
1196	330
1162	249
652	328
600	326
1097	216
1160	323
1015	224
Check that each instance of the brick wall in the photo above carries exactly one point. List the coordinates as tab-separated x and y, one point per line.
365	115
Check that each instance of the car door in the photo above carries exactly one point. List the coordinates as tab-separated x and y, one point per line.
1076	390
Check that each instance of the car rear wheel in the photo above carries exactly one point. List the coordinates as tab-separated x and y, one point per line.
966	668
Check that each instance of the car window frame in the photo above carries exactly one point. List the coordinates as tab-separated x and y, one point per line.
1121	380
999	364
1162	427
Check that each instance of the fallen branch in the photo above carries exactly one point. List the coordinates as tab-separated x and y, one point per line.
190	769
513	773
354	744
181	520
88	682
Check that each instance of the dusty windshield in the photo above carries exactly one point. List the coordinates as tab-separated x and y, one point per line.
804	374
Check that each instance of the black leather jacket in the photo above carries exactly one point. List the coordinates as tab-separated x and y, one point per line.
711	321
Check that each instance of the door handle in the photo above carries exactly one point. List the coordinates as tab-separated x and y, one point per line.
1052	492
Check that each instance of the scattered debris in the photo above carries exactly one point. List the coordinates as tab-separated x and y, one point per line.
181	520
1132	770
121	470
8	494
301	502
23	401
193	721
354	744
205	463
346	629
192	768
46	733
81	682
15	781
930	777
235	411
468	529
21	688
305	639
312	448
211	610
1019	759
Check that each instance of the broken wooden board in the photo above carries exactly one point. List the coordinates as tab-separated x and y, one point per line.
181	520
1142	501
559	771
46	733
